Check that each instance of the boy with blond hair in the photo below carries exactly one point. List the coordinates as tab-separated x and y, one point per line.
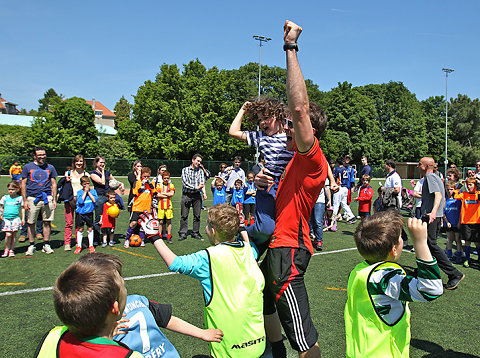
165	192
377	317
231	280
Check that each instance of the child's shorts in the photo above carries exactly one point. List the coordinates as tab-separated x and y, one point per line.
12	225
165	214
471	232
363	214
134	216
107	230
82	219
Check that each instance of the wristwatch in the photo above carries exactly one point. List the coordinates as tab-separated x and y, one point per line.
290	47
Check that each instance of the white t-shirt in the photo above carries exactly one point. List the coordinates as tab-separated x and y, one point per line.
394	181
418	189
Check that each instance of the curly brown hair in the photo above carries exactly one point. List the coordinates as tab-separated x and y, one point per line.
268	108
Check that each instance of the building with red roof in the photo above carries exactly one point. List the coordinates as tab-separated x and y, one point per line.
8	107
103	115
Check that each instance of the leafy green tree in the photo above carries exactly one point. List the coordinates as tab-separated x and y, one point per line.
68	130
113	147
123	110
49	101
434	108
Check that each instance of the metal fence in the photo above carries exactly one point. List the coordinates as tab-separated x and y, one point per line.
119	166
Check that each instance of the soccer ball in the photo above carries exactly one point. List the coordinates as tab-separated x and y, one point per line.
114	184
135	240
113	211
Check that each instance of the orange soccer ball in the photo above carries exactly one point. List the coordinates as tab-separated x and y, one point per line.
113	211
135	240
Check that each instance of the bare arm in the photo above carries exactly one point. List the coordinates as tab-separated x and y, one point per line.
99	179
208	335
436	204
23	187
297	91
235	128
333	183
54	192
167	255
418	230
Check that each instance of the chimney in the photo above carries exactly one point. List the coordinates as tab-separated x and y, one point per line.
93	104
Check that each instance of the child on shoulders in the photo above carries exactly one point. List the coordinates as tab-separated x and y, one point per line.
377	316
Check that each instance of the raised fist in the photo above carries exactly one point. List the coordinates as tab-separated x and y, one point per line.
291	31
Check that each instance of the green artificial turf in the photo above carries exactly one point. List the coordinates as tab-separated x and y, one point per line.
447	327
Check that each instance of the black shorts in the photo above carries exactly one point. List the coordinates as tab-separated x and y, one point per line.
452	229
135	215
471	232
81	219
364	214
107	230
285	291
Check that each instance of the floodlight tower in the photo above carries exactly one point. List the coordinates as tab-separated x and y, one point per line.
447	71
261	40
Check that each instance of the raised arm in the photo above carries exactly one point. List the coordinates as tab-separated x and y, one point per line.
297	91
235	128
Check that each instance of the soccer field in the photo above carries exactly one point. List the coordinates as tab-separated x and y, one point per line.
447	327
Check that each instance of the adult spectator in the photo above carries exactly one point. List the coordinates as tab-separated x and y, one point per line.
39	191
366	170
15	171
437	172
433	200
194	178
101	178
234	173
393	181
132	178
72	183
285	290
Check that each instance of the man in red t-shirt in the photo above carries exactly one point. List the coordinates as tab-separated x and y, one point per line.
290	247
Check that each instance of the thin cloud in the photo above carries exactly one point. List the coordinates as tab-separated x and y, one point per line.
337	10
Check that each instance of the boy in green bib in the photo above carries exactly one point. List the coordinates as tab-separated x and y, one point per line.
231	280
377	317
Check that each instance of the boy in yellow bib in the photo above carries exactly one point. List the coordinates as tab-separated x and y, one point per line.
377	317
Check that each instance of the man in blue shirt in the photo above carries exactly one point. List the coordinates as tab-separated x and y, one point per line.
39	192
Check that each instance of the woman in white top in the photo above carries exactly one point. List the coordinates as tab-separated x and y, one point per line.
73	177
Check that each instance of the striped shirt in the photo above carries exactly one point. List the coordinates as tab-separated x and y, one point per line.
273	148
165	203
192	178
390	288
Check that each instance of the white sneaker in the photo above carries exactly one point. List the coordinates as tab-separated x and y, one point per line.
30	250
47	249
126	244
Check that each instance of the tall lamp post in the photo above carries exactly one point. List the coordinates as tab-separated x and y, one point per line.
261	40
447	71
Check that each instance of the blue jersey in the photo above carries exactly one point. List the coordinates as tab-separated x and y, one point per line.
218	195
87	206
452	212
143	335
238	196
342	174
250	199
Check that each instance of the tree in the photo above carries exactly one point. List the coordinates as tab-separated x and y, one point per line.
69	130
113	147
123	110
49	101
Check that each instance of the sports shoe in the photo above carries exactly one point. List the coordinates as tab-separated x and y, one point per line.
5	253
466	264
11	253
142	244
169	241
126	244
111	243
30	250
77	250
22	238
39	236
182	237
47	249
68	247
104	244
91	249
198	237
453	282
318	245
352	220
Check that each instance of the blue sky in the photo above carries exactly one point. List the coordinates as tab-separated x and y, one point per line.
106	49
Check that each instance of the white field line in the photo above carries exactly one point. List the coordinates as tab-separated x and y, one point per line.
31	290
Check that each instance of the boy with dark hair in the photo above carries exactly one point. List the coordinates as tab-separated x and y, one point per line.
377	317
89	298
231	280
86	199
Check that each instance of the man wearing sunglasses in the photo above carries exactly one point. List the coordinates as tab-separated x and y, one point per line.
297	193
